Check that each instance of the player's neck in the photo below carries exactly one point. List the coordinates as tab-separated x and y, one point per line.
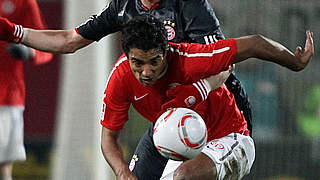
149	3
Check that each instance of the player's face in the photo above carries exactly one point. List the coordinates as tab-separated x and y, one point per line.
147	66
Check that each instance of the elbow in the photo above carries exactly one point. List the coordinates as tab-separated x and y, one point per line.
259	40
254	46
68	47
69	43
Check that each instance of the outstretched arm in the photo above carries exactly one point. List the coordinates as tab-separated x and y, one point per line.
258	46
57	41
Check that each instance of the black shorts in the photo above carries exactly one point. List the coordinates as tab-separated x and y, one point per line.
148	162
241	97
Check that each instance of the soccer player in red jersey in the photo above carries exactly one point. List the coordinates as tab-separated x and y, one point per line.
143	76
12	87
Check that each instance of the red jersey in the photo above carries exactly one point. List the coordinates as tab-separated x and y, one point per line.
12	87
219	111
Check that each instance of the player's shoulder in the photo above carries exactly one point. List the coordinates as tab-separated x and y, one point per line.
121	68
185	48
196	50
120	71
27	4
119	3
173	46
115	5
192	1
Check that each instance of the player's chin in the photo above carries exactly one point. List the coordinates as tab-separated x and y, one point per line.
147	82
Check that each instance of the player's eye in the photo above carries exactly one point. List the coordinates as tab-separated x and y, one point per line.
155	62
137	63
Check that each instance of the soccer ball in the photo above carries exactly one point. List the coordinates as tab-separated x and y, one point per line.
180	134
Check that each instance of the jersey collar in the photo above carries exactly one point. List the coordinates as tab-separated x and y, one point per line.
145	8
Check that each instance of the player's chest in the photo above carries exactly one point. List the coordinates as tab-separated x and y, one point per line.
148	100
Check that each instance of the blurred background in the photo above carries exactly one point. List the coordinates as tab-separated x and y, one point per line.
62	130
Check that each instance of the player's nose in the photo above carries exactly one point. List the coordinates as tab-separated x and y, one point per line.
147	71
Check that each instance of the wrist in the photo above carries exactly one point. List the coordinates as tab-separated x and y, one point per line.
18	33
203	88
10	32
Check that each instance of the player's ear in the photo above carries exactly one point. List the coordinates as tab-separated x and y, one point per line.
165	52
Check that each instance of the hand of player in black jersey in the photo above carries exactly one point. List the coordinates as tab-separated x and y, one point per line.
305	56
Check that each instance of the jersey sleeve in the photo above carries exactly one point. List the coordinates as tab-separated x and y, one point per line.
201	61
102	24
33	19
200	22
115	103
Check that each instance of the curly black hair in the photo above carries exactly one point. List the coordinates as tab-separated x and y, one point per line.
144	32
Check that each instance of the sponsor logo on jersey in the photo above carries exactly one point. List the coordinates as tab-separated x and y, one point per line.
140	97
170	29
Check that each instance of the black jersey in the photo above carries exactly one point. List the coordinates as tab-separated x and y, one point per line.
185	20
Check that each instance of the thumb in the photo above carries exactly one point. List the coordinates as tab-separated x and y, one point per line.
298	51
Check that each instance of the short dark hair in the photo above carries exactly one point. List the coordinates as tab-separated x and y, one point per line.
144	32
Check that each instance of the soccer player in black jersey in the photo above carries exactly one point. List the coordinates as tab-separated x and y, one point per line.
185	21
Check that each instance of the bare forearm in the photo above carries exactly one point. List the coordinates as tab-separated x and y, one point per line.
216	81
112	152
56	41
269	50
260	47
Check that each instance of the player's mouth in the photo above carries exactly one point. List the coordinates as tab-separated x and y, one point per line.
147	81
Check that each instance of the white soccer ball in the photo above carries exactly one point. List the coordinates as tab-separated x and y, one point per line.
180	134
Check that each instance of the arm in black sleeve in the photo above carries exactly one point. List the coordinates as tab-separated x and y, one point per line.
102	24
